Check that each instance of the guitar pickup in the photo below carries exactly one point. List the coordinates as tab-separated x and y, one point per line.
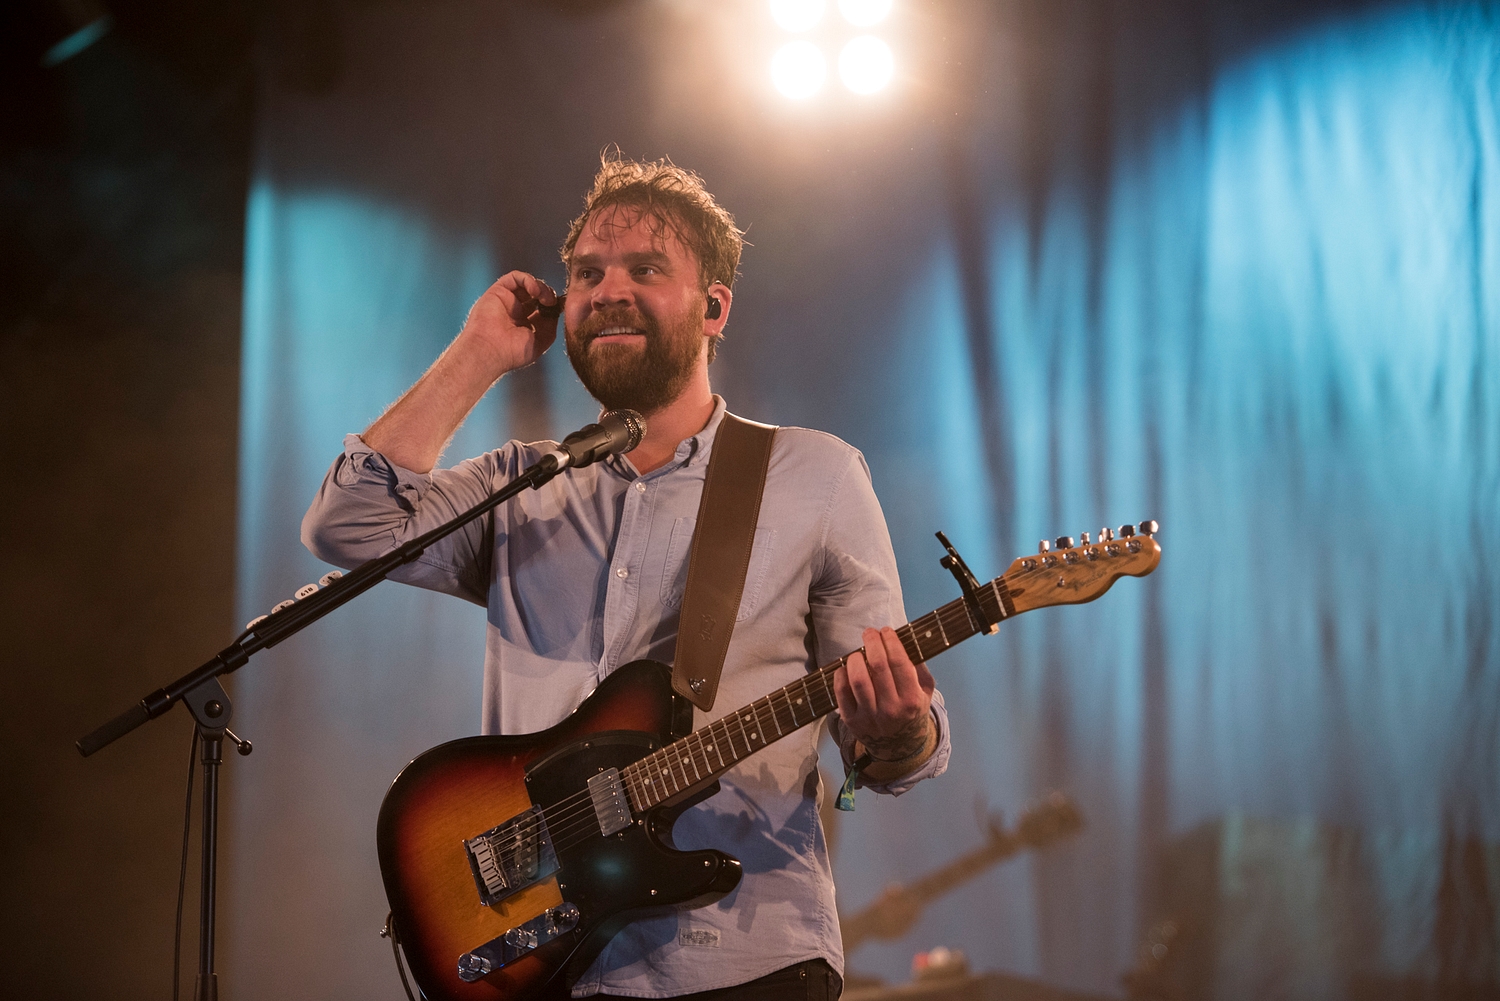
517	942
511	857
610	806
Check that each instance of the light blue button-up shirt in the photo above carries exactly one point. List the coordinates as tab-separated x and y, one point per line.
587	574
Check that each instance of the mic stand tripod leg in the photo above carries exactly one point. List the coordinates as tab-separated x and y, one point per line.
207	988
211	709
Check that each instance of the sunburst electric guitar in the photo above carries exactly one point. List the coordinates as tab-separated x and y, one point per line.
509	862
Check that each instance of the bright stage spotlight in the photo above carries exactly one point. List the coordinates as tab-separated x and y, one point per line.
796	15
866	64
798	69
865	13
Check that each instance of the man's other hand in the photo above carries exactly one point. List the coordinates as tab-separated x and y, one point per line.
886	702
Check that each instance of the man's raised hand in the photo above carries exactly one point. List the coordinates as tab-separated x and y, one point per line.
505	331
507	322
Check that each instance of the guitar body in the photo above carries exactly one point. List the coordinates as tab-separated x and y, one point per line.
464	788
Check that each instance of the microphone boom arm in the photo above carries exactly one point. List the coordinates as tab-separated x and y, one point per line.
617	431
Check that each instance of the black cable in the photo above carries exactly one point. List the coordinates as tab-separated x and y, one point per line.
187	827
389	931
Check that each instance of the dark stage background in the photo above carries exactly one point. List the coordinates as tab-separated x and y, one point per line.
1089	262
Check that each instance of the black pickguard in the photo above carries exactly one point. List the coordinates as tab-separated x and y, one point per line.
627	875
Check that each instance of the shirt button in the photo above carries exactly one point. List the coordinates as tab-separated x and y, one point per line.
622	573
641	487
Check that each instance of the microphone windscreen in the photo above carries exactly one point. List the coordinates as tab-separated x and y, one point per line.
627	422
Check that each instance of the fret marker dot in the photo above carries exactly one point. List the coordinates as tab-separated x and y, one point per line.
927	634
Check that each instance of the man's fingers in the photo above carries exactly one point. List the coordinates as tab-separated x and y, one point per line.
878	658
880	692
857	672
843	694
905	676
522	284
524	295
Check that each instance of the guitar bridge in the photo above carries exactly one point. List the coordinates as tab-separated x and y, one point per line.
517	942
511	857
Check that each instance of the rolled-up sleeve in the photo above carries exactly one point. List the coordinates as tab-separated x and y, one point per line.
934	766
368	505
856	586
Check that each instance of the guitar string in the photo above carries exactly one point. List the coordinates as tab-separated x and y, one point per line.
572	805
588	826
564	823
578	819
577	815
564	827
687	754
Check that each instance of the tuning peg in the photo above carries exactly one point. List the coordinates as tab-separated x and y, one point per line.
1084	539
1044	546
1127	531
1148	527
1106	534
1064	542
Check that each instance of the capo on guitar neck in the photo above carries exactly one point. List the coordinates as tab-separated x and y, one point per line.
955	565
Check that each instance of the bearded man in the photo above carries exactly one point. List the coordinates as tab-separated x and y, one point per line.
587	573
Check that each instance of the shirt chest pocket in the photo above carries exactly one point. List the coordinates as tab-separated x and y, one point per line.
679	547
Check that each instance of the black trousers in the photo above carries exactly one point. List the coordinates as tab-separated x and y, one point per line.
813	980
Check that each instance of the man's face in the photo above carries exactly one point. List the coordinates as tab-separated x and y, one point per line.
634	313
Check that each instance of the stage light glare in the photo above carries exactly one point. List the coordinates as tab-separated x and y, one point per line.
796	15
866	65
865	13
798	69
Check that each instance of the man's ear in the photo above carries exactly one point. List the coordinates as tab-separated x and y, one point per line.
714	319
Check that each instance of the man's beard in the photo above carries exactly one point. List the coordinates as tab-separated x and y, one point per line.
625	376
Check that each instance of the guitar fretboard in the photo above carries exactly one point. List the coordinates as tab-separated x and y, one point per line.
705	754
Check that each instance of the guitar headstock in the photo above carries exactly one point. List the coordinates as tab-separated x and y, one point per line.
1055	817
1071	573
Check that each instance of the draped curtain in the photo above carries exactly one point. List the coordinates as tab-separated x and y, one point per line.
1092	263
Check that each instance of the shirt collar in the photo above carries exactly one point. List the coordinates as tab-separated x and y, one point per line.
690	451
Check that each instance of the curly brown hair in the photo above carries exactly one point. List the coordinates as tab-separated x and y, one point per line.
674	200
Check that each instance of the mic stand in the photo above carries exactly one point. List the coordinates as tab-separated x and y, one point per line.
211	708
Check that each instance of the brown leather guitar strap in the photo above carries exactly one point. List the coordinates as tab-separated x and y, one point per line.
720	556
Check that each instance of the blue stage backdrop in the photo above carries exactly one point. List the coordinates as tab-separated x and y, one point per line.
1090	263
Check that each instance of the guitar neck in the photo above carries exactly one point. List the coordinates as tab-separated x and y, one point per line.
894	913
962	869
707	753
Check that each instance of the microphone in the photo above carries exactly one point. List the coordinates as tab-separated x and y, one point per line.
617	431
